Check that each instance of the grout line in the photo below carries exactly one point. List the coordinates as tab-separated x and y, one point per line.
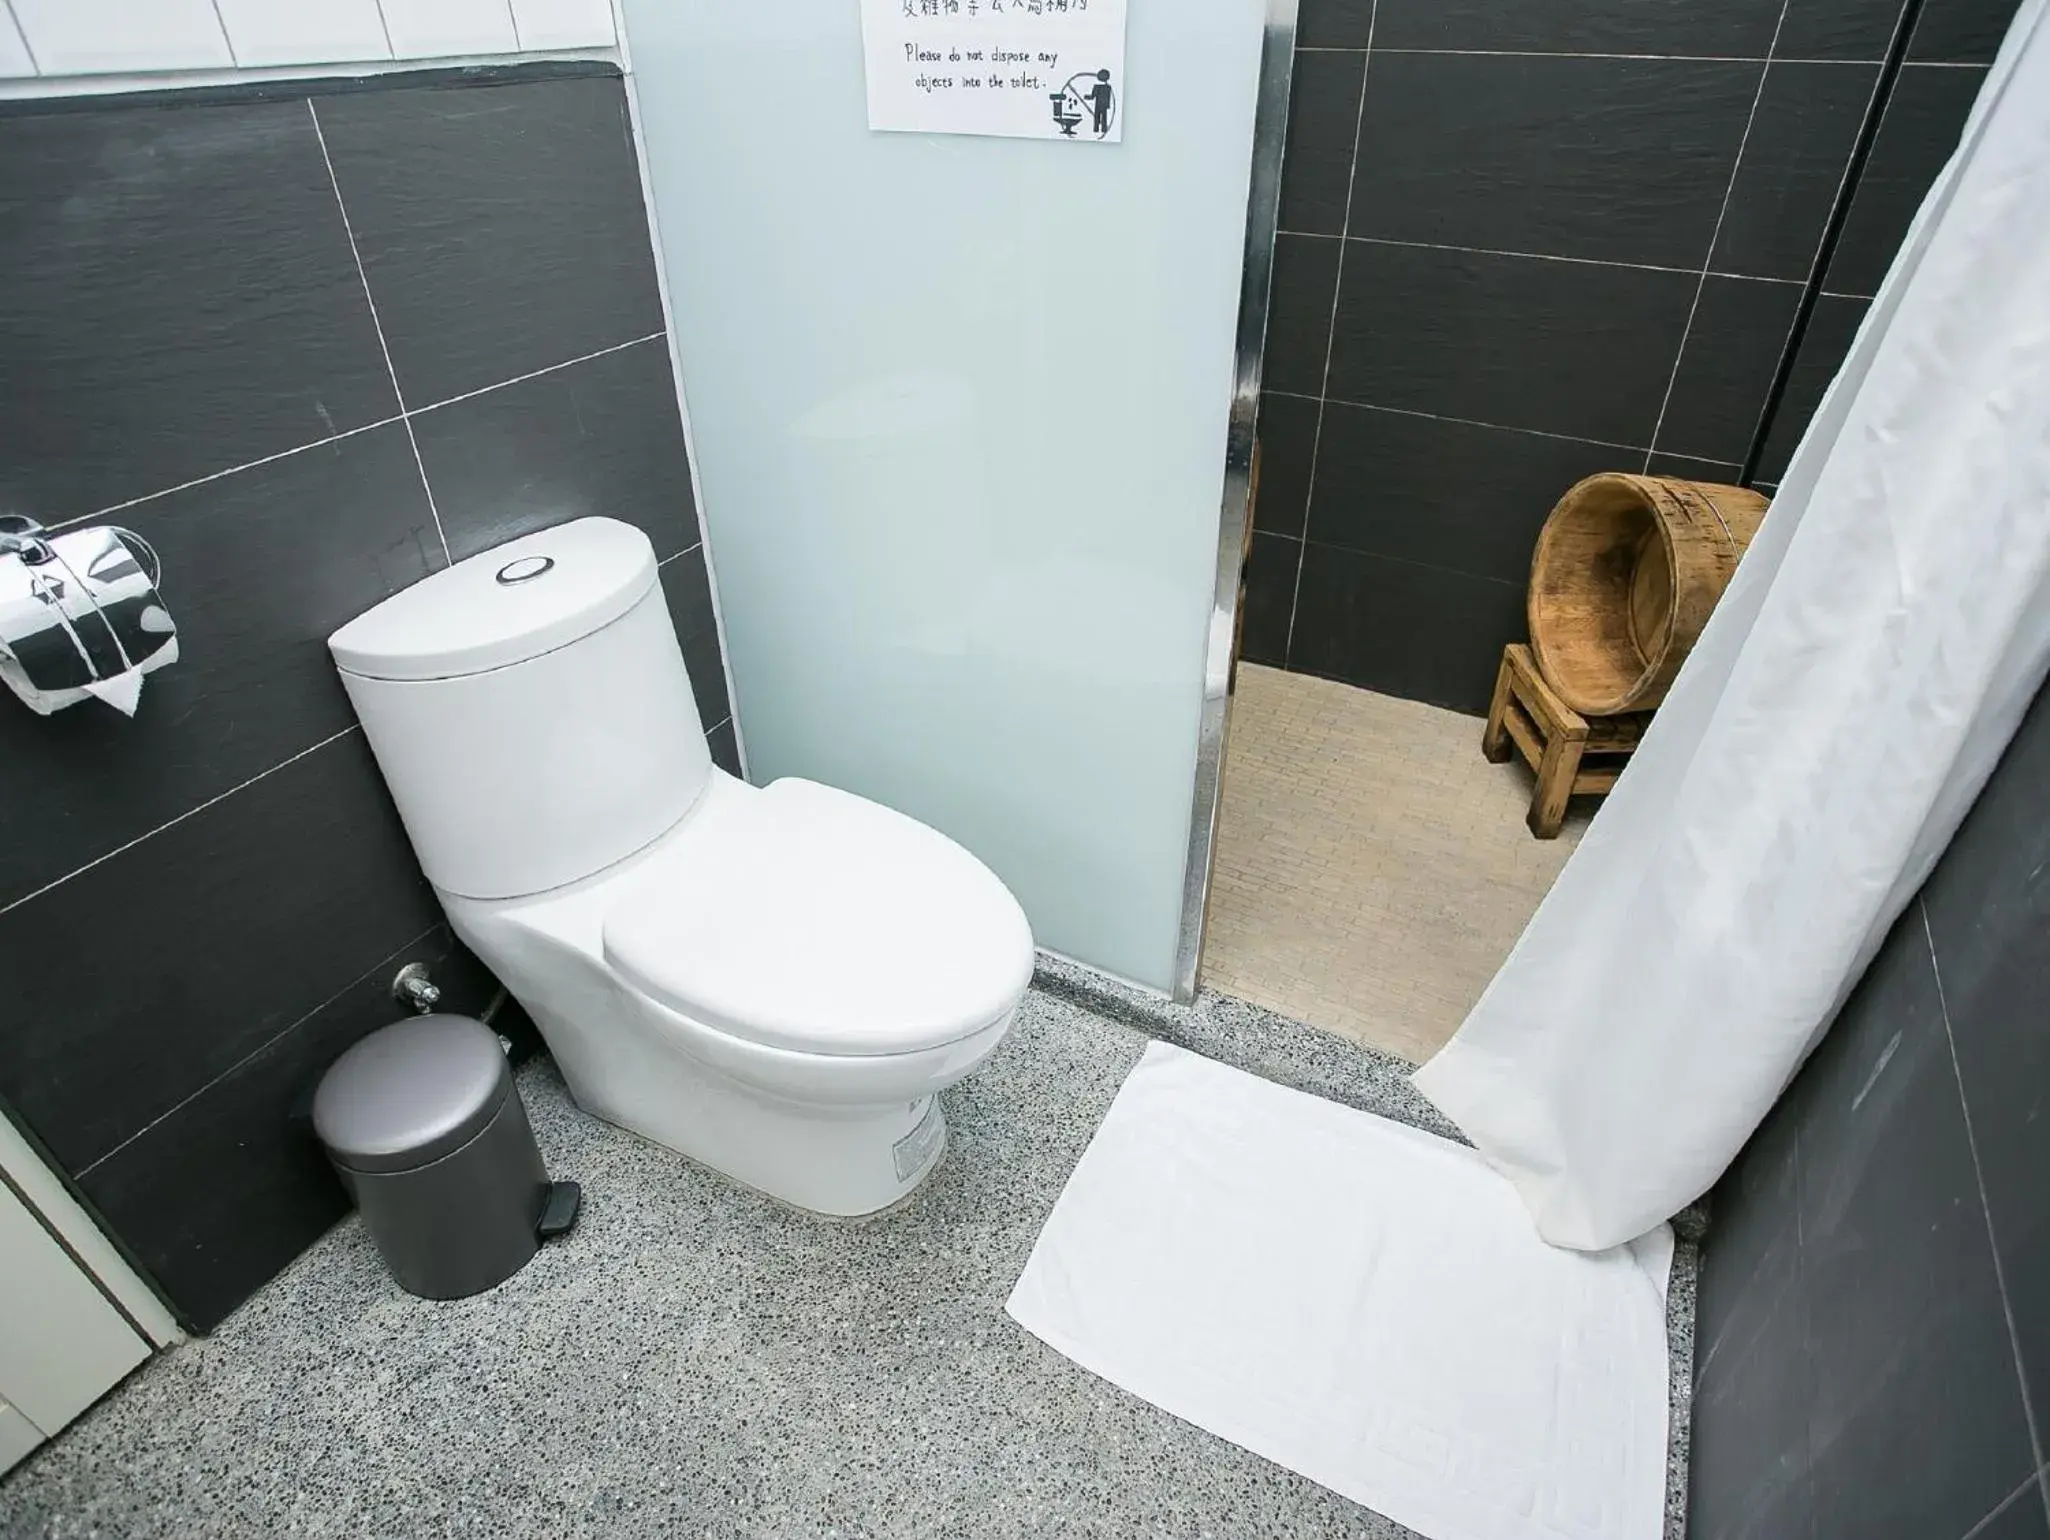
1352	175
2014	1341
221	21
7	8
1503	427
1500	427
200	481
1491	251
531	374
384	27
513	16
695	545
1532	256
1714	235
276	1037
370	299
191	812
1840	294
1537	256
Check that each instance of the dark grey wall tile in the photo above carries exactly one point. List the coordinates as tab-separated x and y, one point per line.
179	299
1749	1462
1334	23
1988	906
725	746
227	1189
1446	494
707	676
1924	118
1915	1402
1837	29
687	587
688	584
599	437
1960	31
1739	28
1288	445
1419	632
259	568
170	962
1794	162
1299	313
1269	599
1323	117
1561	347
1832	327
1739	331
1754	1253
472	207
1620	160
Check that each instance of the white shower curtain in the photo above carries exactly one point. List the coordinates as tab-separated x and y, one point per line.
1845	704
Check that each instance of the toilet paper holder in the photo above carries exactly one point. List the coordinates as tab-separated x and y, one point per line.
80	615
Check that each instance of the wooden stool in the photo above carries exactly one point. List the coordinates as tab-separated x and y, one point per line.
1554	740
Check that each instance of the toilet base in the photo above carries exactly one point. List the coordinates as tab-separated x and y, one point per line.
851	1210
841	1135
847	1164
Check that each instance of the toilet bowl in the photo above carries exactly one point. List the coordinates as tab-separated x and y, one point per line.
775	981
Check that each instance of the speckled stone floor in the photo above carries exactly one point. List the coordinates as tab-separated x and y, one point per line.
697	1361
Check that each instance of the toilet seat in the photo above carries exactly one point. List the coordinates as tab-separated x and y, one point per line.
808	919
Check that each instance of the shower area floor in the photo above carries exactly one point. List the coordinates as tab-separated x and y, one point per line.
1372	869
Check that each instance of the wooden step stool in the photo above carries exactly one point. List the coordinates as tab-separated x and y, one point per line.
1554	740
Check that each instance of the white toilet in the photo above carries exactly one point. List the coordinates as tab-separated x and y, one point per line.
774	982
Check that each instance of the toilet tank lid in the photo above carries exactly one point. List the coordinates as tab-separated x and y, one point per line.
513	602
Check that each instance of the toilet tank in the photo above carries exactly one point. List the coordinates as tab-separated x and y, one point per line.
530	710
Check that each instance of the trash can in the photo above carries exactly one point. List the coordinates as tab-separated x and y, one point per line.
426	1130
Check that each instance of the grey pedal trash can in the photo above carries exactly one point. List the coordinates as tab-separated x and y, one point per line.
423	1124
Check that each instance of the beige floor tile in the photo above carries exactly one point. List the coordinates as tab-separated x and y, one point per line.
1372	869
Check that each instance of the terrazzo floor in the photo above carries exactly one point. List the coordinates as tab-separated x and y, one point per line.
1372	869
695	1360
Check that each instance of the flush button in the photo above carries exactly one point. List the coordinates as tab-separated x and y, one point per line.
525	570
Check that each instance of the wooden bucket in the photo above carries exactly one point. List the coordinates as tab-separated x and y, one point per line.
1626	571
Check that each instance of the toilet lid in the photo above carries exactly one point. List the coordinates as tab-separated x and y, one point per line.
810	919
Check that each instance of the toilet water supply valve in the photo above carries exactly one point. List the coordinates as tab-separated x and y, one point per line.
414	988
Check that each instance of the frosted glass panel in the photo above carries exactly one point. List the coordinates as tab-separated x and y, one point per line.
959	406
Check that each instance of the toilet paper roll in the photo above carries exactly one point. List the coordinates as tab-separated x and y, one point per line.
85	622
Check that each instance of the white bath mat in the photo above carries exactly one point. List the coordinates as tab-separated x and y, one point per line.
1361	1302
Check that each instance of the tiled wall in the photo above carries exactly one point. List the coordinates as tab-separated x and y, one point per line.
53	38
311	349
1874	1327
1523	242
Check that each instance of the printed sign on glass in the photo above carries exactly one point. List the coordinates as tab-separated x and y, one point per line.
1022	69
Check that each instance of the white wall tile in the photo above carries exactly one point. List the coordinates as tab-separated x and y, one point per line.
14	55
304	31
85	37
563	23
424	29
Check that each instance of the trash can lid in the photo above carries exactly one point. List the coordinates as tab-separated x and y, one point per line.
411	1093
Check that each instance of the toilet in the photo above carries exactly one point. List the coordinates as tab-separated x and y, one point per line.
774	981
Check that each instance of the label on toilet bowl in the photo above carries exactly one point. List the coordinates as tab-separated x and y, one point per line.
916	1149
